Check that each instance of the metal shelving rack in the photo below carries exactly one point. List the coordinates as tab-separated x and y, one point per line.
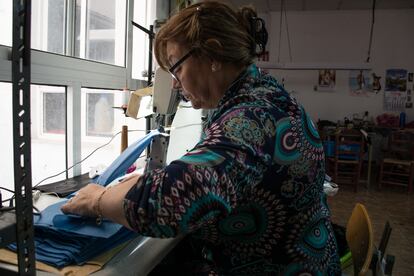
22	222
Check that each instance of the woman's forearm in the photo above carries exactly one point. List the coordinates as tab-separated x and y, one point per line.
111	203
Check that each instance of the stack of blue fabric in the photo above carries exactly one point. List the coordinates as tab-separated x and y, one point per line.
62	239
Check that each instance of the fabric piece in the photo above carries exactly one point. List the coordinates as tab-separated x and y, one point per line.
53	217
89	267
121	164
62	239
250	192
59	249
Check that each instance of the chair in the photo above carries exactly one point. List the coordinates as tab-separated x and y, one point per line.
345	165
397	166
360	239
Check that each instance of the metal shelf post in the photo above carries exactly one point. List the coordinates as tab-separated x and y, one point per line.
21	136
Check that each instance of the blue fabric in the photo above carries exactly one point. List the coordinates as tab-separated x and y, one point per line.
125	160
59	248
62	240
52	217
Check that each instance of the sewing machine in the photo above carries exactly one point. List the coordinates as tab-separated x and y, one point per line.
144	253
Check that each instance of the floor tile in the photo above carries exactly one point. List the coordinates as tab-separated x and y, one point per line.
393	205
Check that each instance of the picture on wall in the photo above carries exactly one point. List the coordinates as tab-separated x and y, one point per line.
376	83
396	80
326	80
360	83
395	100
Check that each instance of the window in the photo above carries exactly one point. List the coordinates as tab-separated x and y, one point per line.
100	30
99	113
144	15
48	151
101	122
48	128
48	25
6	21
54	107
87	29
6	145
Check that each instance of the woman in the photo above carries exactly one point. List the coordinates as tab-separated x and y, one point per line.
250	193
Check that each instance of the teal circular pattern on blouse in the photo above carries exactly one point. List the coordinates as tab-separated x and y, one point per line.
286	146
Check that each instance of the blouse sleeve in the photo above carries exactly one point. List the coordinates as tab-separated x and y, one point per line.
205	184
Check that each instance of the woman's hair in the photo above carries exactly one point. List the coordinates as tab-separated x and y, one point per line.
214	30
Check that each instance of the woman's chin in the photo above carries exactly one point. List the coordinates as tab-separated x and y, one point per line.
195	105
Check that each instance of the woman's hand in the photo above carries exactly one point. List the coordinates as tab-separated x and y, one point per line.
110	201
84	203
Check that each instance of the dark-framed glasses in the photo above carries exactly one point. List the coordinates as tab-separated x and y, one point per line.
174	68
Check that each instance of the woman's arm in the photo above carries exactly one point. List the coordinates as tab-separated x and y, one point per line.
95	200
198	189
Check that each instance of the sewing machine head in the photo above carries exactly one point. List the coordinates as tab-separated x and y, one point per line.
165	97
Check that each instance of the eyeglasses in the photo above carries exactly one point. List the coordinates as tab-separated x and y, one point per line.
178	64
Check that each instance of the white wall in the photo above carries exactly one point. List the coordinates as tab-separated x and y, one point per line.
322	37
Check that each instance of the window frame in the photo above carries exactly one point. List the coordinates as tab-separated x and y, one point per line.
75	73
41	133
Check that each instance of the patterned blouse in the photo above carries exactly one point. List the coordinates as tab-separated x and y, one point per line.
250	192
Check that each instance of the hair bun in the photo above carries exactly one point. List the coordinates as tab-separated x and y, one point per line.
259	34
255	27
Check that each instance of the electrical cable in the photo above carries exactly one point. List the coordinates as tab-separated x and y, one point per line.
288	36
4	209
371	34
79	162
339	6
8	190
184	126
90	154
5	200
280	29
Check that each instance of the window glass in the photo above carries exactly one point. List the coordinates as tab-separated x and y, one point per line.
6	21
100	114
140	41
6	145
48	151
144	15
48	128
100	30
102	119
48	25
54	106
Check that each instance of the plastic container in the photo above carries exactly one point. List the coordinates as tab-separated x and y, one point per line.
402	119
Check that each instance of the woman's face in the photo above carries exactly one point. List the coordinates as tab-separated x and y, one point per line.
193	74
